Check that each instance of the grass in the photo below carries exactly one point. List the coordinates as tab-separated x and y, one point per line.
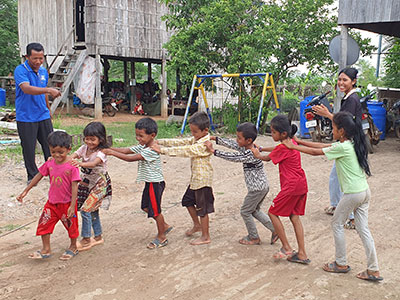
9	227
123	134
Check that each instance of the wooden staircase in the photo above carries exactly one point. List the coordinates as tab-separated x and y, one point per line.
64	76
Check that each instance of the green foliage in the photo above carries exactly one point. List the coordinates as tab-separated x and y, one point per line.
367	74
392	64
9	54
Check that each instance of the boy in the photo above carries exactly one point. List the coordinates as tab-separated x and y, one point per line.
149	171
255	178
63	191
198	198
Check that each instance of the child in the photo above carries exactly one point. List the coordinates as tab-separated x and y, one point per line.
149	171
61	204
255	178
350	154
95	188
138	110
291	200
198	198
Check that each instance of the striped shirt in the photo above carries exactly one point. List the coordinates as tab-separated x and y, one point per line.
202	171
253	168
149	169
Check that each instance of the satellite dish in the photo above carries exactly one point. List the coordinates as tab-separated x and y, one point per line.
353	50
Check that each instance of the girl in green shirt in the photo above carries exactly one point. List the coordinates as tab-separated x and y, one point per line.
350	154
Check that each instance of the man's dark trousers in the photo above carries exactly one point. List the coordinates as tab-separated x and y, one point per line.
29	132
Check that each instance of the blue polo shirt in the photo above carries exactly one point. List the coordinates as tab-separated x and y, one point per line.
30	108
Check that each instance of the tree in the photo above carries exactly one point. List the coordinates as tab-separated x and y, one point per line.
9	54
391	63
250	35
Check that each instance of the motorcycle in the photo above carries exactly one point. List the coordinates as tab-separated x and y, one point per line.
319	127
372	133
393	119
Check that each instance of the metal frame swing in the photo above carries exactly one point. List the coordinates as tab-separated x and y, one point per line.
265	77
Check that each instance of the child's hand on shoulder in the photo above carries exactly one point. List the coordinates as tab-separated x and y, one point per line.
75	163
213	137
209	146
156	147
107	151
255	150
288	143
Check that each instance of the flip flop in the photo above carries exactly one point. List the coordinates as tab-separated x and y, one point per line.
169	230
365	276
68	254
282	253
333	267
39	255
156	243
295	258
274	238
330	210
246	240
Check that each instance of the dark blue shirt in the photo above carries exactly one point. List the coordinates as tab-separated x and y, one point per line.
30	108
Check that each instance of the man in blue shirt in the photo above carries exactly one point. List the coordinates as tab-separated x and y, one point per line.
32	106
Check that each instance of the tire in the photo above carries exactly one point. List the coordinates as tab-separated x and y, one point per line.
314	136
397	131
370	148
109	110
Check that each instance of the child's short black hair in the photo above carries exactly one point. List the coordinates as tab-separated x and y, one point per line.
148	124
97	129
248	130
200	119
60	139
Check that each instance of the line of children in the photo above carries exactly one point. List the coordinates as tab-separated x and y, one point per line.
351	163
255	178
291	200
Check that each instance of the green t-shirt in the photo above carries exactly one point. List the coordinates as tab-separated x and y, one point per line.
351	176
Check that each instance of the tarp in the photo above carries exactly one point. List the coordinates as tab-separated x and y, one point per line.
152	109
86	81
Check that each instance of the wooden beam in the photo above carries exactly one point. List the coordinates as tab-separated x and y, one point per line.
164	99
148	71
126	77
98	105
133	86
344	34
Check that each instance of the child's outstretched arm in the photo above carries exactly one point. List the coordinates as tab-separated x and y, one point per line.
310	144
35	180
257	154
89	164
125	154
308	150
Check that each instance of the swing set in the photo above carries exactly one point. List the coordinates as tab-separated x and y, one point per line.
198	84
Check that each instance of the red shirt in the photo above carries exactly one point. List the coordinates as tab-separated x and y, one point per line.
292	176
61	178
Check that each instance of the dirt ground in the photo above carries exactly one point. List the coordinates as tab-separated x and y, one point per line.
123	268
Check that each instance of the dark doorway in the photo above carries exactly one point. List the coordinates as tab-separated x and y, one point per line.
80	20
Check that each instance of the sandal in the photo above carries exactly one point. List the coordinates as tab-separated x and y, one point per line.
39	255
68	254
365	276
248	241
295	258
274	238
156	243
282	253
349	224
333	267
330	210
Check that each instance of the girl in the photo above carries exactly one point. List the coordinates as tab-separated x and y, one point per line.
346	82
95	188
350	154
291	200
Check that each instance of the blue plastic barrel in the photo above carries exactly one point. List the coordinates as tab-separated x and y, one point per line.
378	113
2	97
303	105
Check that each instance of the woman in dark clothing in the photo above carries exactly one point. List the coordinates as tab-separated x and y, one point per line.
351	102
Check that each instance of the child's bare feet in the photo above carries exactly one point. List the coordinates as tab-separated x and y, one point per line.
84	244
97	240
190	232
200	241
